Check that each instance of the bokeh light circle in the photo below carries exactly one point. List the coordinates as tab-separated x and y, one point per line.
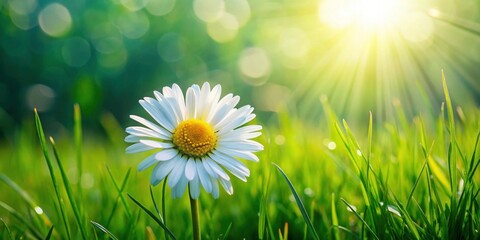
224	29
170	47
55	20
134	5
133	25
22	21
417	27
76	52
23	7
240	9
209	10
160	7
254	64
40	96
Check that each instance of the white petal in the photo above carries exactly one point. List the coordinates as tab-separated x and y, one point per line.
179	189
166	154
233	119
196	89
242	130
132	139
137	147
222	110
153	180
237	153
217	169
157	144
161	170
215	189
245	145
249	118
162	131
213	100
203	103
209	169
163	110
143	132
190	104
190	169
177	172
170	107
180	99
147	162
238	137
227	185
237	168
203	176
156	113
195	188
220	104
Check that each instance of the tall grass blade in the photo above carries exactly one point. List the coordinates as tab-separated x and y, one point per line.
370	137
299	203
77	133
336	232
49	235
26	197
152	215
452	159
7	229
71	197
121	189
360	218
43	144
21	219
473	167
225	235
159	214
164	211
104	230
263	223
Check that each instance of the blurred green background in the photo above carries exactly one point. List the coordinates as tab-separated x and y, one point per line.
363	55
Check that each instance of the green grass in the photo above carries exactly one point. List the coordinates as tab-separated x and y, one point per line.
405	179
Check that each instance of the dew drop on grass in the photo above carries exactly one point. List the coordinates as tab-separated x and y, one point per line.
38	210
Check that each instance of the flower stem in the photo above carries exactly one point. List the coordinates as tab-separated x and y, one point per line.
195	219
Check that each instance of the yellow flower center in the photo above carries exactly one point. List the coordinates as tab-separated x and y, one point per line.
194	138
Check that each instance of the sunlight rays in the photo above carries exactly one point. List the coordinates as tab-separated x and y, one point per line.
371	54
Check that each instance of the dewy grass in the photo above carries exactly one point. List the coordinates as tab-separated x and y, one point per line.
403	179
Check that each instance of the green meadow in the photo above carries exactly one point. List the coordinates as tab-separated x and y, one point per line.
370	113
405	179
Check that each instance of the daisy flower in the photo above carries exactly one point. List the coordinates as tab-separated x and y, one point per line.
197	138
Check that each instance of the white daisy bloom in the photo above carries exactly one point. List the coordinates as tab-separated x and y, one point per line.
197	139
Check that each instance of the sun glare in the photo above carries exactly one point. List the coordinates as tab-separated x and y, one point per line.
368	14
376	13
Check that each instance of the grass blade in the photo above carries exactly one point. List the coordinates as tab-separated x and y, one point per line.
21	219
164	211
49	235
335	224
103	229
7	229
299	203
43	144
152	215
26	197
71	197
452	159
155	205
359	217
225	235
77	133
120	189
